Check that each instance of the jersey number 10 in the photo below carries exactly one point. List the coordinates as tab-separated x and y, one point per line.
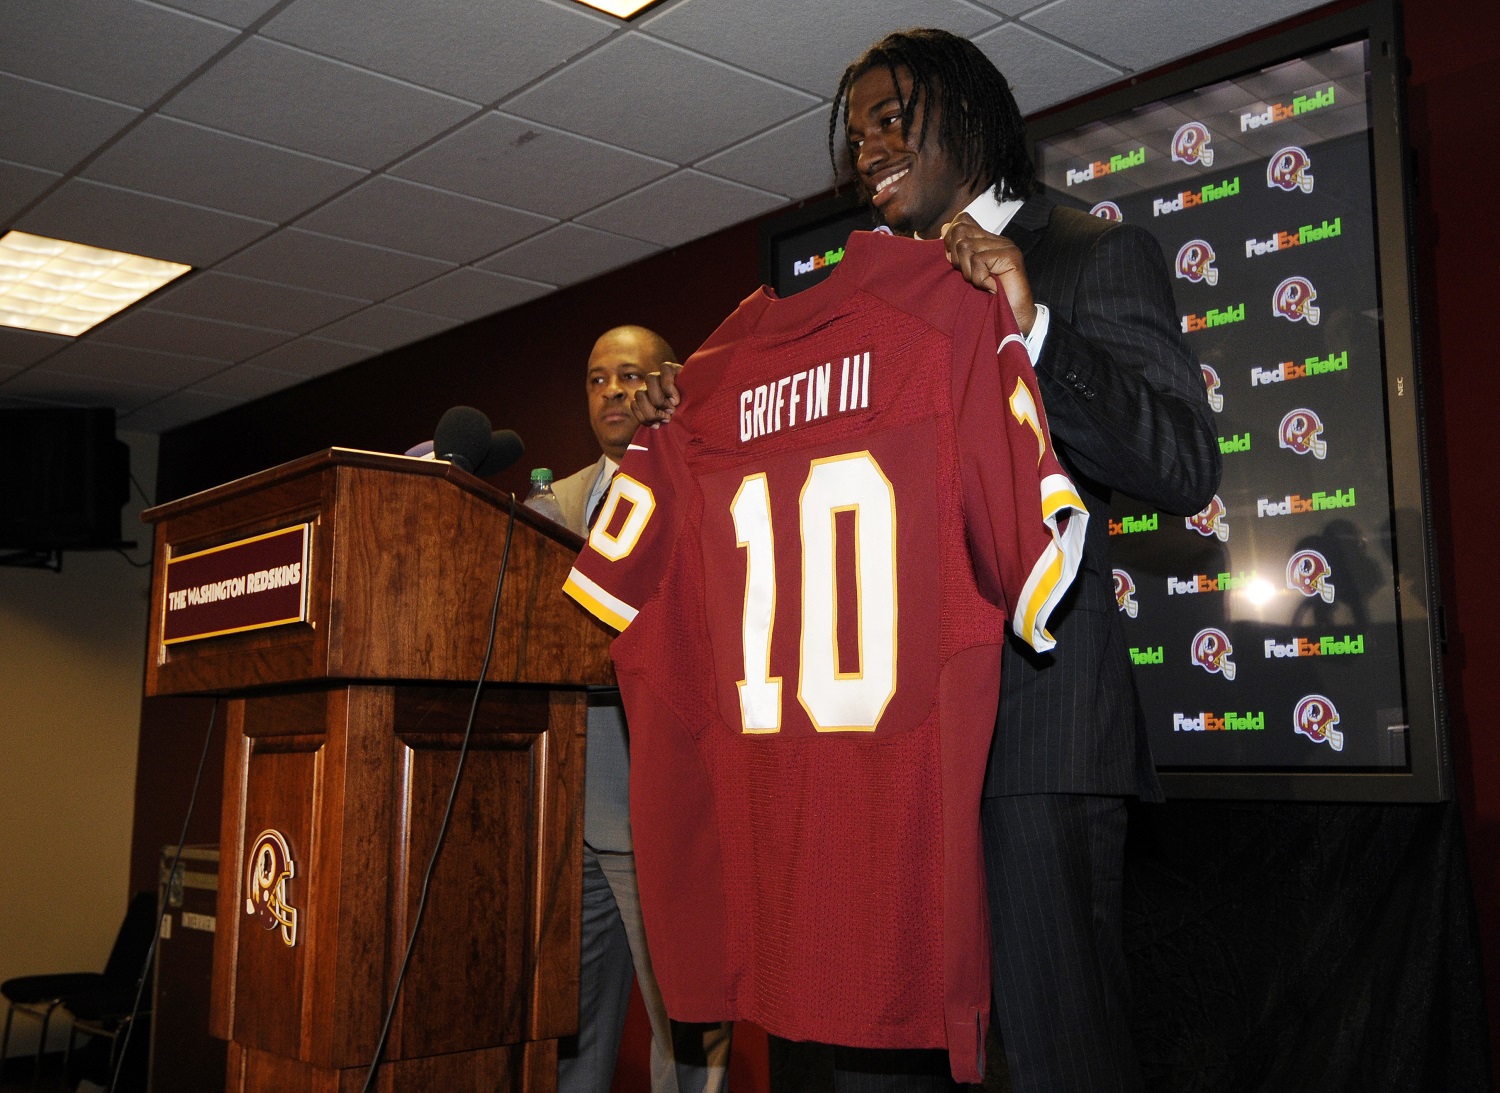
835	700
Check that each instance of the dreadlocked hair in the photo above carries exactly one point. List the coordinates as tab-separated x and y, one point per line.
979	124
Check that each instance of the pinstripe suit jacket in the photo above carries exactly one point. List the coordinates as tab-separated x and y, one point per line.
1129	412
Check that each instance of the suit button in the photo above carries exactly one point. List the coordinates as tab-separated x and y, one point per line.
1071	377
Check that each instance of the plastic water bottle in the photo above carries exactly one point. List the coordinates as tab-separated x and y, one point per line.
541	499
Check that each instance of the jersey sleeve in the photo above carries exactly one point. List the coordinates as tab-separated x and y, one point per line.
1025	518
627	551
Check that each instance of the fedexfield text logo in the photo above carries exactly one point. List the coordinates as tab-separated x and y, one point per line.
817	262
1294	503
1205	582
1286	240
1130	525
1226	722
1101	167
1240	442
1214	316
1310	366
1277	111
1148	655
1346	646
1191	199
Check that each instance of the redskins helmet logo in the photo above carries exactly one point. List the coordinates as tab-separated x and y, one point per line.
1211	651
1107	210
1195	262
1211	381
1290	169
1125	593
1315	718
1212	522
1190	144
1293	299
1307	572
269	870
1302	432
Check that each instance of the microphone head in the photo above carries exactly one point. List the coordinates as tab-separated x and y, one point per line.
505	448
462	437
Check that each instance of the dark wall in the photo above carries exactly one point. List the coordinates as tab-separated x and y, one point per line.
1454	117
524	369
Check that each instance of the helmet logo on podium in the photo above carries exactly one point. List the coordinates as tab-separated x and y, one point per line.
270	868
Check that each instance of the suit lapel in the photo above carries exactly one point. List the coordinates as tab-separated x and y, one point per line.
1030	222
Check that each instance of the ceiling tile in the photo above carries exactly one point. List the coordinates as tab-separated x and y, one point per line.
81	390
825	39
658	99
246	381
530	166
567	254
468	294
325	264
311	357
53	128
289	97
174	410
383	327
149	329
146	367
123	50
20	186
187	162
684	206
1040	71
406	216
791	159
1131	33
18	348
214	295
477	51
106	216
237	13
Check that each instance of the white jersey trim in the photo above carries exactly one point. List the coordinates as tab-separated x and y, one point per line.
603	605
1054	571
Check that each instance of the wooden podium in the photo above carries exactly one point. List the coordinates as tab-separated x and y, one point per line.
350	675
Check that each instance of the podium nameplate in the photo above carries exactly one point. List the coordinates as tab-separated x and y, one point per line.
250	584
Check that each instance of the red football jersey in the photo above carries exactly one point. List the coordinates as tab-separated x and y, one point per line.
815	561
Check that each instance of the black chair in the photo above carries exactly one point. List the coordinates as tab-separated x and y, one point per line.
96	992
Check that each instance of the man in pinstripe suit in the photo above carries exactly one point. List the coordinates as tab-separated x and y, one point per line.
938	147
938	144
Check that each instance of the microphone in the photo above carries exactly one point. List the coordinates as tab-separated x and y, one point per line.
463	437
505	448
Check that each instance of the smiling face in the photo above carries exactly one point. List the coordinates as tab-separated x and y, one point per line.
617	370
914	184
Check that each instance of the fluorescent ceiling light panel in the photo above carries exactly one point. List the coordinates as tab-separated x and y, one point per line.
67	288
620	9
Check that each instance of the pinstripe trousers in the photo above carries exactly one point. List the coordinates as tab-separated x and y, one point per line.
1054	865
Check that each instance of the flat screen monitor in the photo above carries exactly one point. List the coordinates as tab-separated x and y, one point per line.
803	247
1284	639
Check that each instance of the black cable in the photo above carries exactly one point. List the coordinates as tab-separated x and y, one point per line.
463	754
140	986
146	498
131	561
